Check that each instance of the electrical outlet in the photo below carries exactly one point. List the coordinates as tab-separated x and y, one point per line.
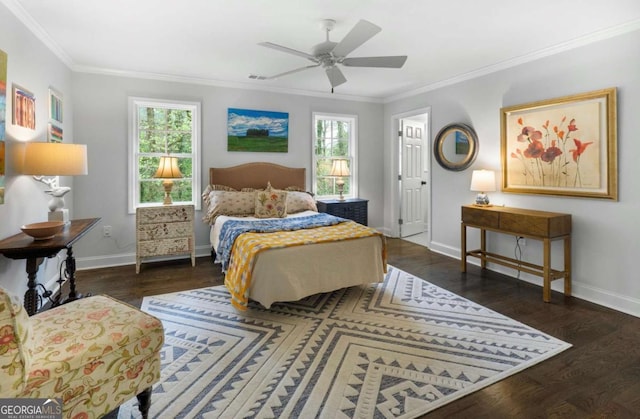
522	241
106	231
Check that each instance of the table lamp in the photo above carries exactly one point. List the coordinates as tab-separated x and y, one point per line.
167	171
55	159
483	181
340	169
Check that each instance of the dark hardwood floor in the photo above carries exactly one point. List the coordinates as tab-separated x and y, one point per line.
599	377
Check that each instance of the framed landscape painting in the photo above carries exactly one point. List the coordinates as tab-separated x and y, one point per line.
564	146
258	131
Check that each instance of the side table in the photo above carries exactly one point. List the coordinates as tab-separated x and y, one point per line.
21	246
353	209
163	231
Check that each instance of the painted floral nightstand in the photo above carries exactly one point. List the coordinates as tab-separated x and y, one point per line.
163	231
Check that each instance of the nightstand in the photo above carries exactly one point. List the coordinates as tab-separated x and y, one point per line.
353	209
163	231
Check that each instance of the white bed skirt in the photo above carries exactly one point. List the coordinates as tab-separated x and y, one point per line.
289	274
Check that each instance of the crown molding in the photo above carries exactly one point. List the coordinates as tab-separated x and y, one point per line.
16	8
23	16
628	27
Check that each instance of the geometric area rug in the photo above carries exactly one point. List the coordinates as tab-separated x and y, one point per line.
398	349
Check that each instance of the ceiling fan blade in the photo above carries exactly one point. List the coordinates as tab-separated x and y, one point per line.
288	50
336	78
286	73
388	62
361	33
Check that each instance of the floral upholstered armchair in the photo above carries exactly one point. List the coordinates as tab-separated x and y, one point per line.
94	354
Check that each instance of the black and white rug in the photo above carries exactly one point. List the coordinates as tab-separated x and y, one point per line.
393	350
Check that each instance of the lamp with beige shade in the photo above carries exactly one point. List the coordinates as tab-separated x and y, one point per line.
167	171
53	160
340	169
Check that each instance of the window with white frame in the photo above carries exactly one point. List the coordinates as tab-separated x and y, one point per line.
160	128
334	138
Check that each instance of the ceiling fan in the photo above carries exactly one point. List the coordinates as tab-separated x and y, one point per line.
329	54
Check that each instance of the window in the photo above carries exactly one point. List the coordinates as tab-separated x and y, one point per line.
335	137
159	128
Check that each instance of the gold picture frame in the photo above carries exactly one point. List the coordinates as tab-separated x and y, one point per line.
564	146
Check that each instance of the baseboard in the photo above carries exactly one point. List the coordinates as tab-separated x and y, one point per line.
605	298
94	262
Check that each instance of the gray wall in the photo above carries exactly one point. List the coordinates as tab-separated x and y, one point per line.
605	233
101	112
34	67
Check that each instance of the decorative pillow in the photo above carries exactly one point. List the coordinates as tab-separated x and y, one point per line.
296	189
209	188
228	203
300	201
271	204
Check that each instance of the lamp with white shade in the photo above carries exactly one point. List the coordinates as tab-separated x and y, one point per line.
55	159
167	171
340	169
483	181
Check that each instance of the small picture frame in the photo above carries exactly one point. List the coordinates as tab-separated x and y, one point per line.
24	108
55	133
55	106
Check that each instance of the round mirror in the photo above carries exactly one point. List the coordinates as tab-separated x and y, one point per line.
456	147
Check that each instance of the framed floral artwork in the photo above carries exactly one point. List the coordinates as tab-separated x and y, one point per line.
564	146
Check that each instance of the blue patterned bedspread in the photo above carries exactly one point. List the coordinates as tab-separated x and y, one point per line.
233	228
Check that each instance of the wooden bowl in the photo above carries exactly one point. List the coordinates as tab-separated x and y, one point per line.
44	230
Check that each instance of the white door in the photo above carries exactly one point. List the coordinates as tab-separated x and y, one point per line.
412	183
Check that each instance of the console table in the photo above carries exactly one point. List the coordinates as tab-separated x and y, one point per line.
536	225
21	246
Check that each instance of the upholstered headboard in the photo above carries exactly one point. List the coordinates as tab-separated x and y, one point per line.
256	175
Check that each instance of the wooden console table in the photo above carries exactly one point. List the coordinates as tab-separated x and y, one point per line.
537	225
21	246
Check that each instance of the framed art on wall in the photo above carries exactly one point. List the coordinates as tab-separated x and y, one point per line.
55	105
258	131
3	108
24	108
564	146
54	133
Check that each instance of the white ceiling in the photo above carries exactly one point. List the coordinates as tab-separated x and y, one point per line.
216	41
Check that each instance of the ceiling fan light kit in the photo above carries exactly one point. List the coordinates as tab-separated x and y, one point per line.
329	55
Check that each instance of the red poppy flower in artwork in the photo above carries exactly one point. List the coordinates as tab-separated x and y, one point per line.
580	148
534	150
572	126
529	134
551	153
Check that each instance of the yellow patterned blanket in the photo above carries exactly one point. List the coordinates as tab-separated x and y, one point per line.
247	246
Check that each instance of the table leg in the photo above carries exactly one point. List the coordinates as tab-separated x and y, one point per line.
567	266
463	247
31	296
546	271
483	248
70	271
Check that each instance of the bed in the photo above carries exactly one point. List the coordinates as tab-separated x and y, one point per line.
291	273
